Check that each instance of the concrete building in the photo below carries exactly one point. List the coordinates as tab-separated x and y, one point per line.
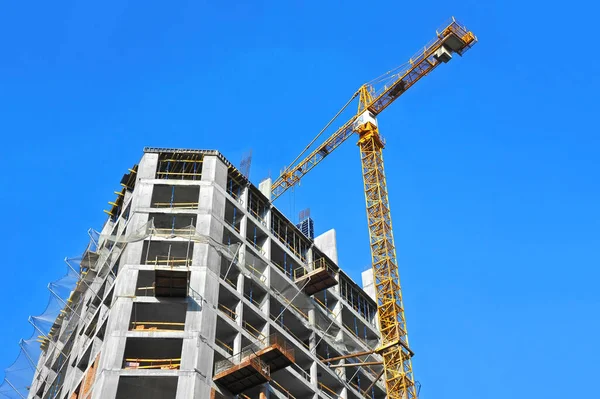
198	287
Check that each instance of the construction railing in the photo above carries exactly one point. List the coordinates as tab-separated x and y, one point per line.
254	332
258	218
257	272
165	364
168	232
178	205
179	166
228	312
285	272
289	246
228	281
169	261
281	389
289	331
329	311
281	342
328	391
254	361
156	326
224	346
319	264
256	246
291	305
143	291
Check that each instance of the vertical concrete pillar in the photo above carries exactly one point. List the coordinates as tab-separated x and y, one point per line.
111	358
240	284
204	276
327	243
214	170
265	187
266	249
312	344
237	346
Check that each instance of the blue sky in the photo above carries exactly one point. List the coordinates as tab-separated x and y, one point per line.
492	160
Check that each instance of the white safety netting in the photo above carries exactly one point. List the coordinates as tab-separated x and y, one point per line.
19	375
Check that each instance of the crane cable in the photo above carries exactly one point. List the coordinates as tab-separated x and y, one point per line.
321	132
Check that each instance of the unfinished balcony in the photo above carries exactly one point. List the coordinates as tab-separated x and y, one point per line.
228	303
152	353
158	317
291	319
175	197
320	276
233	215
167	253
256	237
236	183
170	225
225	336
258	206
359	327
254	292
255	325
283	261
179	166
164	387
327	301
229	272
255	265
163	283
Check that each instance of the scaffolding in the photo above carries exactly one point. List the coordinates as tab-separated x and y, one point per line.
179	166
320	276
128	184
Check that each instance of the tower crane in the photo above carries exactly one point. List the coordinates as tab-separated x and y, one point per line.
373	98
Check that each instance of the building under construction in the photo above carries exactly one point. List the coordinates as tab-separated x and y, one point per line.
198	287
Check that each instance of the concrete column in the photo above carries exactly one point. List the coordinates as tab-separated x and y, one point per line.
240	284
341	372
147	166
243	225
237	346
327	243
310	258
111	359
204	277
266	249
106	384
367	283
244	197
337	311
213	169
265	187
314	378
266	306
311	317
312	345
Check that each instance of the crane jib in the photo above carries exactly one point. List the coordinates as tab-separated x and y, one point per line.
453	38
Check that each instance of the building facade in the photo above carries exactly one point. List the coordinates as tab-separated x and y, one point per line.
198	287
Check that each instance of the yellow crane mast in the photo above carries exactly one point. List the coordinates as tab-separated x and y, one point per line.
374	97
